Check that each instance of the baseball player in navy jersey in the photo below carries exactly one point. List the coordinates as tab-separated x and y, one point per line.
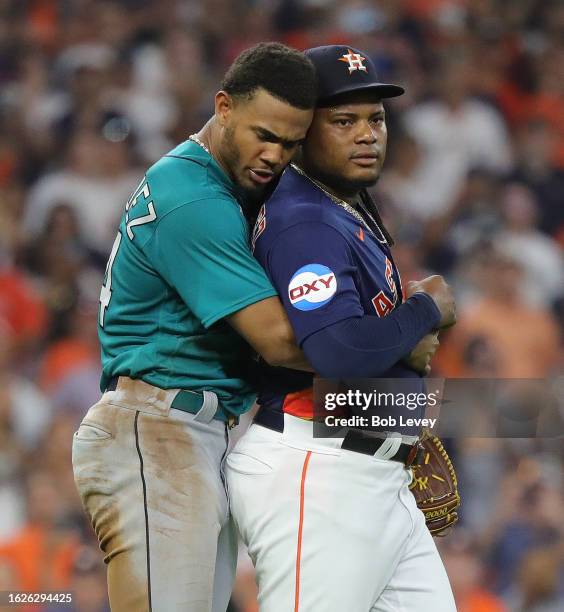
182	304
330	523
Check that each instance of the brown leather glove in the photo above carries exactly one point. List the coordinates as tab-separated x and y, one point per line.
435	487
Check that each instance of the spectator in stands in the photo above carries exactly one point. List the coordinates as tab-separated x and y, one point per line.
539	580
455	133
42	552
96	183
524	340
87	584
536	169
21	309
70	366
527	518
467	576
540	257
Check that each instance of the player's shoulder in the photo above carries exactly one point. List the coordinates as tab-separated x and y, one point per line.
187	175
296	200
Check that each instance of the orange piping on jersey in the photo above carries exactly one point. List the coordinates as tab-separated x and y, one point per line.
300	532
299	404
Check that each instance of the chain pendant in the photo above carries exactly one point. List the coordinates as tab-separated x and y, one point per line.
350	209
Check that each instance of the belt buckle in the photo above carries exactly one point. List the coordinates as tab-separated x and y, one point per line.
412	455
231	422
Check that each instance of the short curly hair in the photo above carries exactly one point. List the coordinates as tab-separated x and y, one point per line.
283	72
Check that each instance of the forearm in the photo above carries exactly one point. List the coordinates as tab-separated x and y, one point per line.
368	346
265	326
295	359
281	349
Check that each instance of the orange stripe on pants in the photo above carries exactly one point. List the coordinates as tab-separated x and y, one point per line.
300	531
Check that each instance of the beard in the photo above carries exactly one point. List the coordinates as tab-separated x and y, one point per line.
253	196
230	153
231	156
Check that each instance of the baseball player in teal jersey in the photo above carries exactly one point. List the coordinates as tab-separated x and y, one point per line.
182	306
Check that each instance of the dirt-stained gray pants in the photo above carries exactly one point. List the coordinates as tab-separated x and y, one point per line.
150	479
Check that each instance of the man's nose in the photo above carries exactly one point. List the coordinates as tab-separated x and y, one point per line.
366	133
272	155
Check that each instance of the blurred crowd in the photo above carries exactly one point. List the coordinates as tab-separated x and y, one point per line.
94	91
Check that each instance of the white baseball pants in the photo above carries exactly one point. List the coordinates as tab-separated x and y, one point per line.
150	480
331	530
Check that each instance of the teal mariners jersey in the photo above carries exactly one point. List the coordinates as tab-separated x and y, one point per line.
180	264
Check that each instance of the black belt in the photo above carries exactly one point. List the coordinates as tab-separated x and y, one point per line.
355	440
188	401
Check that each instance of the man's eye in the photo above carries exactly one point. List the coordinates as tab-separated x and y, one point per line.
344	122
377	120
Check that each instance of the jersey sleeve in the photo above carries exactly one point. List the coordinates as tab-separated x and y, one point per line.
310	265
201	249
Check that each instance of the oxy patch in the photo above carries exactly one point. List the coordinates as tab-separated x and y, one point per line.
312	286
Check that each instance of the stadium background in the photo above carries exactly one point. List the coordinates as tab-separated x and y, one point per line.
92	92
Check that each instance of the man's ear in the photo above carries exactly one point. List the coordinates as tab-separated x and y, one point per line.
223	107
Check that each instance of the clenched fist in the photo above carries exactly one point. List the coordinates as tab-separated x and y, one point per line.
436	287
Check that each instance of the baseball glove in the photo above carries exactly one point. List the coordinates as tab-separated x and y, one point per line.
435	487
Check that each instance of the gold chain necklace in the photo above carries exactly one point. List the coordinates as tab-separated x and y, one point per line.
195	139
350	209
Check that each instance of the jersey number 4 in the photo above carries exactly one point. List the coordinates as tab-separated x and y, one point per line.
381	302
141	193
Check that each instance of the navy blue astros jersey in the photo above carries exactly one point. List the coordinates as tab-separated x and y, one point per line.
326	266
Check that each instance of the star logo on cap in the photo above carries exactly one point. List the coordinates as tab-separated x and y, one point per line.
354	60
